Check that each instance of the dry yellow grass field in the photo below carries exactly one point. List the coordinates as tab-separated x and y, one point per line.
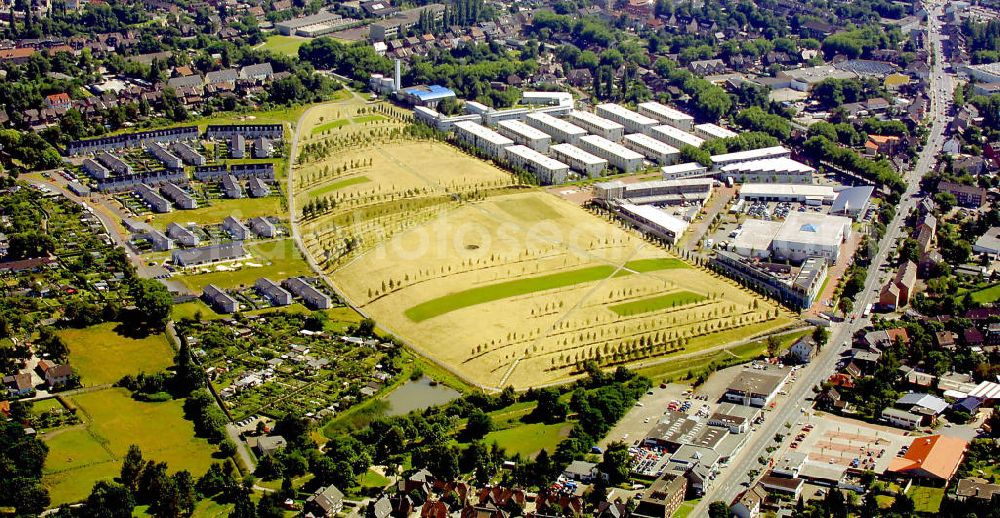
549	275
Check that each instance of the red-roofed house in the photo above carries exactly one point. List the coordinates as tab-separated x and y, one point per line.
60	101
18	56
934	457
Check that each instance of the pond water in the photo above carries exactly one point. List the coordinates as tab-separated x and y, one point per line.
418	395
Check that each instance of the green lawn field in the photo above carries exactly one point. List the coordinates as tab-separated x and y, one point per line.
367	118
926	499
278	260
102	356
80	456
327	126
677	298
242	209
528	439
987	295
503	290
330	187
287	45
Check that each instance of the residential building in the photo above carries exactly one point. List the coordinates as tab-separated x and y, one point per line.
598	125
314	298
525	135
269	444
898	292
663	497
159	240
132	140
262	147
968	196
634	122
326	501
231	187
709	131
165	157
182	235
237	146
56	375
225	131
209	254
179	196
667	115
675	137
547	170
115	164
803	350
655	150
707	67
579	160
152	198
263	170
219	300
257	188
394	26
560	130
975	488
18	384
236	228
616	154
273	292
188	154
263	227
95	169
480	137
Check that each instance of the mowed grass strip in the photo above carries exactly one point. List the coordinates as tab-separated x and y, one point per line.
326	126
493	292
655	264
503	290
339	185
367	118
669	300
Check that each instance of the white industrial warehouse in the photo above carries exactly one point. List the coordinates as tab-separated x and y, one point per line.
775	170
800	235
720	161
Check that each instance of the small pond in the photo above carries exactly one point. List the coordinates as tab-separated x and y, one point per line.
418	395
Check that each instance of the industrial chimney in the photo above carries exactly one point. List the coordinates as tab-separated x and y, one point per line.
398	78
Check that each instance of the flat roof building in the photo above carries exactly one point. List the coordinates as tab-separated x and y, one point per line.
770	170
677	138
686	170
425	95
525	135
772	279
792	192
655	150
720	161
709	131
659	192
547	170
634	122
653	221
480	137
580	160
808	234
667	115
598	125
616	154
559	129
209	254
756	387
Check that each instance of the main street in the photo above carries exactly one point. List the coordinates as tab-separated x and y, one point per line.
730	482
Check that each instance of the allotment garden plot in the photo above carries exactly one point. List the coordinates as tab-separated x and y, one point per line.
521	289
282	362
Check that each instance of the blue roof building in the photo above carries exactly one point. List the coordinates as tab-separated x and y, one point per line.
969	404
424	95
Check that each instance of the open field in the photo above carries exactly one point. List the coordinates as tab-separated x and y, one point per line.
287	45
987	295
330	187
521	287
528	439
80	456
276	260
242	209
926	499
101	356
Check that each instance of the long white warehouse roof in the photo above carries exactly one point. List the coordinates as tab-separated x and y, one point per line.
528	132
626	113
484	133
665	113
668	131
760	190
753	154
775	165
530	154
657	216
683	168
596	120
611	147
576	153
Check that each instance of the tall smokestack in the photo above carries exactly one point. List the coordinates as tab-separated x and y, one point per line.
398	79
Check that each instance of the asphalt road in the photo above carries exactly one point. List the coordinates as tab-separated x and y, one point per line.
728	485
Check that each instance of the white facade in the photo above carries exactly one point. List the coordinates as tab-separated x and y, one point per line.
548	170
580	160
598	125
769	170
720	161
807	234
616	154
525	135
659	152
634	122
808	194
686	170
560	130
675	137
483	138
710	131
667	115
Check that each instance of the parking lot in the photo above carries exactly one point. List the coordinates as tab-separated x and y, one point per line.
848	443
